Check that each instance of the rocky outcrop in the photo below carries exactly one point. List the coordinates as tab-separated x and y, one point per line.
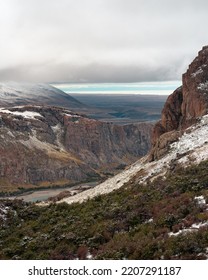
184	107
195	89
44	146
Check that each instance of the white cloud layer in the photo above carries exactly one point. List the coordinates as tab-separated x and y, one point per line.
99	40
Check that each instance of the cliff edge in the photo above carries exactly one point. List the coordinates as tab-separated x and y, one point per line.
183	107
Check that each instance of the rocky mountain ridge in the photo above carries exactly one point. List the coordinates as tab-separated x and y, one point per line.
184	107
44	146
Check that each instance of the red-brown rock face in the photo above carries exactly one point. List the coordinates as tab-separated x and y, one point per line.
41	146
195	89
184	106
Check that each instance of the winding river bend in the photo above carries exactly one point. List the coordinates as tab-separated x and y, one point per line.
42	195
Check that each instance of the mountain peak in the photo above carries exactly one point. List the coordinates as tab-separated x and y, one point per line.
184	106
205	47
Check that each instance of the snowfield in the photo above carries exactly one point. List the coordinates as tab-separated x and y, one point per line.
193	143
25	114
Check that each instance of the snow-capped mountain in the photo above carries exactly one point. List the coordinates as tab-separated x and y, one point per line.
13	93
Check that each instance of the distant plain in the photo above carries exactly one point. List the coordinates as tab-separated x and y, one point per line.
122	108
121	103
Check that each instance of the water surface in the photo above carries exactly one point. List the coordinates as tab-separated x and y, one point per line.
155	88
42	195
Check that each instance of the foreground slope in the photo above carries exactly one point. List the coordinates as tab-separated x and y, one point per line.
165	219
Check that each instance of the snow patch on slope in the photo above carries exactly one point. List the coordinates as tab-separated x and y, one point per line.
4	211
193	228
200	200
34	142
198	71
57	129
203	86
196	138
25	114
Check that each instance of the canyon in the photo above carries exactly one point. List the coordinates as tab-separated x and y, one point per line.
44	146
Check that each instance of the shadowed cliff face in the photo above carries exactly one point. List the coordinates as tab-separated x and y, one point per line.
43	146
184	106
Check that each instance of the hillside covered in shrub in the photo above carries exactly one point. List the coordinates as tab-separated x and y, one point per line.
163	219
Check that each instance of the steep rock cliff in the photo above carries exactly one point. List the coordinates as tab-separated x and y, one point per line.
184	107
43	146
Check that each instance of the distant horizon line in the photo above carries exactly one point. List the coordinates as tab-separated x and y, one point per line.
141	88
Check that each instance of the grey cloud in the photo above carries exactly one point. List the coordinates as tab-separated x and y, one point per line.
94	72
99	40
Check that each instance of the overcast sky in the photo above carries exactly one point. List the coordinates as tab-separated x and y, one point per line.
100	40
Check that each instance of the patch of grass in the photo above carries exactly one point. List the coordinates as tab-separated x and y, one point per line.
64	156
61	183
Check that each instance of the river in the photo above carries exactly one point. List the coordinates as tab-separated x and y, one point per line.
41	195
